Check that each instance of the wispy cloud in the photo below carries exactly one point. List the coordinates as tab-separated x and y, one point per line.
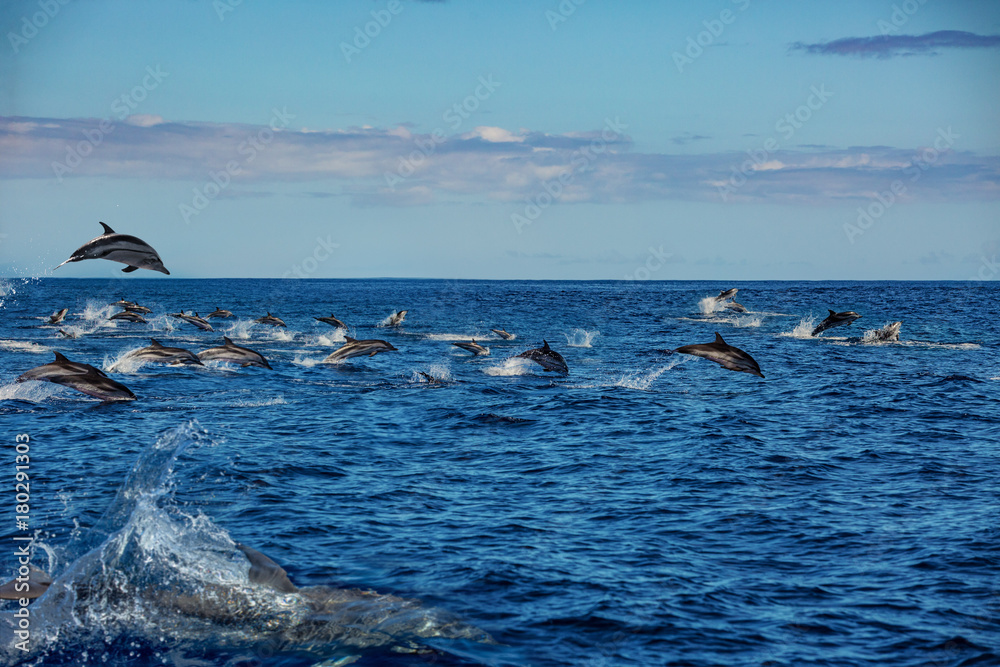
888	46
482	165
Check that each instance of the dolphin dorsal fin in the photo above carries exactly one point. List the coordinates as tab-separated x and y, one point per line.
348	339
107	230
718	338
227	341
155	343
545	344
832	313
60	357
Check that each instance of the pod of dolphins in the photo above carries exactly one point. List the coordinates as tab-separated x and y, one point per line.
137	254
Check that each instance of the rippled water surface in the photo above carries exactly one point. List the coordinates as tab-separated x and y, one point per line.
648	508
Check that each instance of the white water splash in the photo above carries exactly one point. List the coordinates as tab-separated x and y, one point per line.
23	346
33	391
453	337
124	362
748	321
436	371
281	336
709	305
306	362
513	366
803	329
239	330
335	337
581	337
388	319
642	381
258	402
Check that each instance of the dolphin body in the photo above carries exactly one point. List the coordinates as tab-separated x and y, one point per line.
81	377
726	294
219	312
725	355
271	320
396	318
58	316
136	308
836	320
737	307
359	348
503	334
165	355
234	354
889	332
30	587
332	321
119	248
473	347
129	316
195	320
547	358
122	303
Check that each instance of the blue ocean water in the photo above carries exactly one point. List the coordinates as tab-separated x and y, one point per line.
647	509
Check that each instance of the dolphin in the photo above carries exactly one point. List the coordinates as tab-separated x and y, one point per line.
725	355
30	587
332	321
119	248
396	318
473	347
836	320
359	348
271	320
129	316
219	312
195	320
726	294
165	355
122	303
503	334
889	332
234	354
58	316
547	358
69	334
737	307
430	379
136	308
81	377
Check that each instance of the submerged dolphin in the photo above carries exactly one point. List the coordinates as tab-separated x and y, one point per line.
359	348
889	332
129	316
547	358
503	334
726	294
58	316
396	318
725	355
332	321
165	355
219	312
234	354
195	320
473	347
836	320
737	307
119	248
271	320
81	377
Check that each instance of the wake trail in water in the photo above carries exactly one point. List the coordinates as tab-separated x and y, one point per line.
644	380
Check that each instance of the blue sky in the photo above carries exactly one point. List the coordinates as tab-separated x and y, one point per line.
720	140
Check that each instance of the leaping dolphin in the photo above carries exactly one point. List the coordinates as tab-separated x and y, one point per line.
737	307
271	320
836	320
165	355
219	312
234	354
726	294
119	248
889	332
725	355
359	348
396	318
503	334
473	347
129	316
81	377
58	316
547	358
332	321
136	308
195	320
